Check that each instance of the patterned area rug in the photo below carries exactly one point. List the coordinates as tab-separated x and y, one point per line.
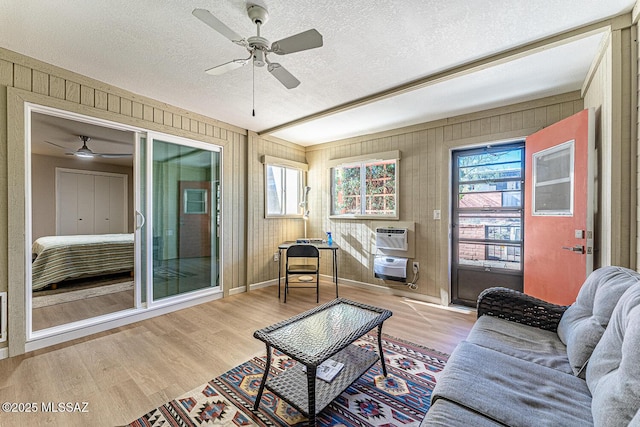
401	399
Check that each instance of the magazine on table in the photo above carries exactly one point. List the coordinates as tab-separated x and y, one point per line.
327	370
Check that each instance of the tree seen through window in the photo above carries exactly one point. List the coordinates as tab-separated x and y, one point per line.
372	182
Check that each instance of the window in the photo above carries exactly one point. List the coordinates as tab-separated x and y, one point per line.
553	181
195	201
365	186
488	213
283	187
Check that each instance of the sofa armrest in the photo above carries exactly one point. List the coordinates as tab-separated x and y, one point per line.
518	307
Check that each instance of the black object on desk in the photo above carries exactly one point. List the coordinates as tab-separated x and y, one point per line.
321	246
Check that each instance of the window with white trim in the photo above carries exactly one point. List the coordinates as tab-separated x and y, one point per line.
365	186
284	180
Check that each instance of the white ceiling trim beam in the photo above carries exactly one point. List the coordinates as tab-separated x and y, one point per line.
602	49
635	13
619	22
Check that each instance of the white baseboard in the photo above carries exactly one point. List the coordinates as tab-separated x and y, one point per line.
4	353
263	284
369	286
386	290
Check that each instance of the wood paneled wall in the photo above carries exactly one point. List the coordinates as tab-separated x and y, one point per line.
424	186
609	90
250	240
25	80
265	234
635	93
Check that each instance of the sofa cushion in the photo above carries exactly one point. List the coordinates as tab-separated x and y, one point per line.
512	391
448	414
613	373
583	324
522	341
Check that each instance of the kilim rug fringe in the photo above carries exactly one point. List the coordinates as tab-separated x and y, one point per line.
402	398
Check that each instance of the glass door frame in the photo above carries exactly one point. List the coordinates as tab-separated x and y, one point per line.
50	334
20	143
487	272
145	201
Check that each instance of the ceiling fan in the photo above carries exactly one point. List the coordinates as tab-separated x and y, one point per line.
258	46
86	152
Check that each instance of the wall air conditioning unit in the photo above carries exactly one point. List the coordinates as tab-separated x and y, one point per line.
390	268
392	238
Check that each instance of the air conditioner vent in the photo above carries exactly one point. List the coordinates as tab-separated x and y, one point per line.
392	238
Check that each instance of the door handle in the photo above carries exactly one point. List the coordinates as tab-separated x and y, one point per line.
140	220
577	248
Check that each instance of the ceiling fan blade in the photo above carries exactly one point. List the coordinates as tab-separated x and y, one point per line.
309	39
213	22
56	145
112	156
285	77
228	66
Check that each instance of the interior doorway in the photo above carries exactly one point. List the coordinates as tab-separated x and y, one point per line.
487	220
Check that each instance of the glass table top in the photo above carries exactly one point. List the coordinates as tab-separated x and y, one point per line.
325	329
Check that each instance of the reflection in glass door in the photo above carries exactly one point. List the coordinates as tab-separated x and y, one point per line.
487	220
184	203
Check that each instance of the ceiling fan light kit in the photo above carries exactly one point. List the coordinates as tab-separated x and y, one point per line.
258	46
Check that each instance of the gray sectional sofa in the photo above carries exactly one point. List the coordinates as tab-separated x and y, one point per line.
527	362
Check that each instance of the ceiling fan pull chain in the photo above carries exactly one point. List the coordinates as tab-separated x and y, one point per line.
253	90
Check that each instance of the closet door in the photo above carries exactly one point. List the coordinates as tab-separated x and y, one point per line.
117	204
75	204
110	204
91	203
86	207
67	203
102	201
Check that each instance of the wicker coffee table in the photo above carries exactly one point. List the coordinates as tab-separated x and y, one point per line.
314	336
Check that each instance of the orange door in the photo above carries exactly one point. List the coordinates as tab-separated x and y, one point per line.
558	224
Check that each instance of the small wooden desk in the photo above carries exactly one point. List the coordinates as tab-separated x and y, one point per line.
321	246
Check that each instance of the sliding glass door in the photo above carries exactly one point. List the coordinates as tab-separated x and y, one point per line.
110	235
182	210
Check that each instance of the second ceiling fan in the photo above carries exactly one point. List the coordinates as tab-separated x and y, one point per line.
86	152
258	46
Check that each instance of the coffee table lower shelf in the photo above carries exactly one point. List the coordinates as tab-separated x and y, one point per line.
291	385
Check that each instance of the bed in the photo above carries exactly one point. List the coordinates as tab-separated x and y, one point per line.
57	258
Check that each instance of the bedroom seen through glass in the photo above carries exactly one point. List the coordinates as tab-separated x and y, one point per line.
81	228
186	219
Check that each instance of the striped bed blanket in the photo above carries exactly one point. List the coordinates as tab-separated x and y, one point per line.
59	258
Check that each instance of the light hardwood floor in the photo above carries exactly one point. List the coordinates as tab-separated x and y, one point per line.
73	311
126	372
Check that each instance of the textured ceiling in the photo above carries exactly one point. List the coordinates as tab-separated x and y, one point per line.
160	50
